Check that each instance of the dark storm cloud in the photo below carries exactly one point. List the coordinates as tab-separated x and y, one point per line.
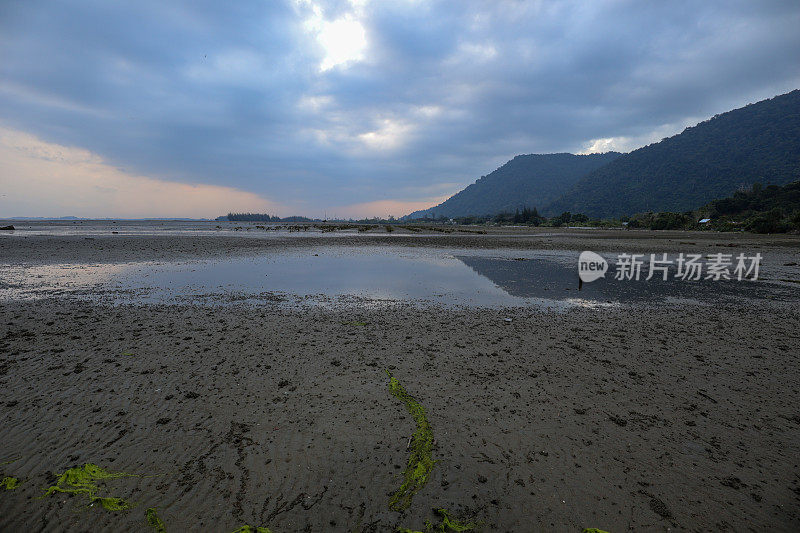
445	91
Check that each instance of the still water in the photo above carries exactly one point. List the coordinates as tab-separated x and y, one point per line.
367	276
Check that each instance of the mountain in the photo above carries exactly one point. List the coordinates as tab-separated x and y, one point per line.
526	181
757	143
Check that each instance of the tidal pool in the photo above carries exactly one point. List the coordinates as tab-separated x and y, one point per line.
368	275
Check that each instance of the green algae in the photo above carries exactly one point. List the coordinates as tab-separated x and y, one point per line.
83	480
593	530
10	483
252	529
154	521
421	462
447	524
113	504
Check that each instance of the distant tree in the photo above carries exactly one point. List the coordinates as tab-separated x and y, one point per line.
561	220
669	221
252	217
769	222
770	209
795	220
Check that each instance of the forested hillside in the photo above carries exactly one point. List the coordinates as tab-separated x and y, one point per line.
757	143
525	181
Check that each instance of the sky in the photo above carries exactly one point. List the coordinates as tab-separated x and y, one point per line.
352	108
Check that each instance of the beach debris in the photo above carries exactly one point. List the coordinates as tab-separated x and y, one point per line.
659	507
733	482
618	420
507	320
447	523
10	483
420	462
83	480
154	521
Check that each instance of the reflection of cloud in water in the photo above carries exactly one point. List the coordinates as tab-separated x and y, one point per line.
22	281
384	277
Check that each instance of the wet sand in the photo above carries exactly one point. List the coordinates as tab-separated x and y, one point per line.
108	247
640	418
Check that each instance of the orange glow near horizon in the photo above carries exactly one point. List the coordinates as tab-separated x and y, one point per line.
45	179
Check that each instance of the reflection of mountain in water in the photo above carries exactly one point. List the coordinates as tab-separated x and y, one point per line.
543	278
531	278
528	278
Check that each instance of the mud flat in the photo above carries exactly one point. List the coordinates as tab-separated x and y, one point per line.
644	417
45	243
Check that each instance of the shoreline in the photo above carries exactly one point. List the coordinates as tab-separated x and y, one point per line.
43	249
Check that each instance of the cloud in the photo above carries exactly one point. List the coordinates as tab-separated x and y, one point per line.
388	135
343	40
325	103
46	179
626	143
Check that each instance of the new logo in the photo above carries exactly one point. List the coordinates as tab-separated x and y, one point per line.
591	266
